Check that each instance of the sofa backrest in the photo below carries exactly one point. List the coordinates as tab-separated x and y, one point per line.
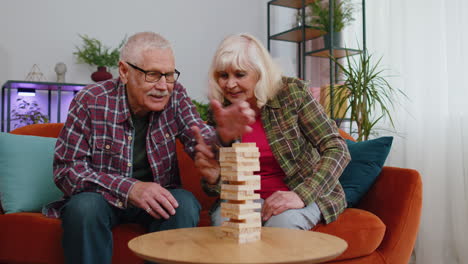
189	174
42	130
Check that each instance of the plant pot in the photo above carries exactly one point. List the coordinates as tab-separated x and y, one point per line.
101	74
336	40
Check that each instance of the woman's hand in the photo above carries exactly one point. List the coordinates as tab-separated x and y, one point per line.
205	159
232	121
279	202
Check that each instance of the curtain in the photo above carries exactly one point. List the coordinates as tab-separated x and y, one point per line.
424	44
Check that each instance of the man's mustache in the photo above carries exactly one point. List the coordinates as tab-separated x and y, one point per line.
158	93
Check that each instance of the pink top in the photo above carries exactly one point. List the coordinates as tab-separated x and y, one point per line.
270	171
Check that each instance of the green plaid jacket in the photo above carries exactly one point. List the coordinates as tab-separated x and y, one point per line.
307	146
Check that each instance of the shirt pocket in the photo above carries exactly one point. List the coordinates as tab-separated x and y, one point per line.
108	155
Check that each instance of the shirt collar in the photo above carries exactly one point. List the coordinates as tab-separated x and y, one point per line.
123	111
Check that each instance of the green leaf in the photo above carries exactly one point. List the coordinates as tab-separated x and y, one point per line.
342	14
202	109
365	90
93	52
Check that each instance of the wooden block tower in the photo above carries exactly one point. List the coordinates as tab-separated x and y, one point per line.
238	164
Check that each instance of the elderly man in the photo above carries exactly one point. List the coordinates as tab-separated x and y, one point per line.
115	158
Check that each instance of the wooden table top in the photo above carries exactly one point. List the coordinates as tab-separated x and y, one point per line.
206	245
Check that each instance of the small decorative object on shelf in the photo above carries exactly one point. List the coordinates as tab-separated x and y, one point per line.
308	17
60	69
35	75
101	74
93	52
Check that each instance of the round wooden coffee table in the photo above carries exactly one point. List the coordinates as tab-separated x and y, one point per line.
206	245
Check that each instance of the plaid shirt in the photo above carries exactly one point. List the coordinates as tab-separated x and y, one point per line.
94	149
307	146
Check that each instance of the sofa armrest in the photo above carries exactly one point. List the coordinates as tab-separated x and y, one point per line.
396	198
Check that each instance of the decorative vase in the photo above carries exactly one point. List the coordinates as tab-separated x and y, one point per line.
101	74
336	40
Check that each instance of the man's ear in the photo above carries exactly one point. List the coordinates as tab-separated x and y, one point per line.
123	72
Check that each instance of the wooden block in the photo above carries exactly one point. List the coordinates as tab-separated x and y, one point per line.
240	168
249	181
227	176
240	207
242	230
243	195
251	186
242	238
237	164
245	217
244	145
242	224
251	154
234	215
237	158
238	150
237	173
238	155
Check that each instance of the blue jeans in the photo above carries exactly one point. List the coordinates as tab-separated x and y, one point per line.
88	219
304	218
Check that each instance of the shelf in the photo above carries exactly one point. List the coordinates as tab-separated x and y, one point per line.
291	3
295	34
337	52
59	90
53	86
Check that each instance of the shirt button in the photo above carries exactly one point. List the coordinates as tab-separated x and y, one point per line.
129	164
119	203
107	147
130	138
167	135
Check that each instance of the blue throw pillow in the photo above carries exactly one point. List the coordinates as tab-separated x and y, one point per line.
367	160
26	178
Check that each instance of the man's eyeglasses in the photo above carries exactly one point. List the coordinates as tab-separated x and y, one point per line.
155	76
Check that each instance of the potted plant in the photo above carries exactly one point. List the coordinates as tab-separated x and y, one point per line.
342	16
94	53
27	113
202	109
365	93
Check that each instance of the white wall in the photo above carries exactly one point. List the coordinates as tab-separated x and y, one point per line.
45	32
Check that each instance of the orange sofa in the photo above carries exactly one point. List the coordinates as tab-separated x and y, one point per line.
382	229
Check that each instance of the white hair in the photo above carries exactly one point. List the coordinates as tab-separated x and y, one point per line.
140	42
245	52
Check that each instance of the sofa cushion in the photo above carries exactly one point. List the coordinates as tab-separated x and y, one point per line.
362	230
367	160
26	178
40	238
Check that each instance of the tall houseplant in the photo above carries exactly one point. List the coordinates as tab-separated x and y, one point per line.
342	16
369	96
94	53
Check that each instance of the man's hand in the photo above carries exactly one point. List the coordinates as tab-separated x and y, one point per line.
154	199
205	159
232	121
279	202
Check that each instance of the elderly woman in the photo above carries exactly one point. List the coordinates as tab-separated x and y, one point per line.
302	154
